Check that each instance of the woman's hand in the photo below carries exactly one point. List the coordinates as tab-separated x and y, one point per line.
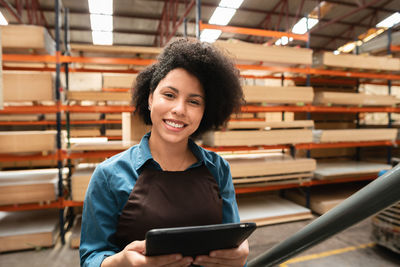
225	257
133	255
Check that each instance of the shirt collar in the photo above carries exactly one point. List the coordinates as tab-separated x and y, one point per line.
144	153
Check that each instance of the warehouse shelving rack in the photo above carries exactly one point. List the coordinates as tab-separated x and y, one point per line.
61	155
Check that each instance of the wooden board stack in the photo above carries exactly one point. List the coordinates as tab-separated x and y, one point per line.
26	38
15	84
278	94
269	169
243	51
270	209
329	59
386	228
113	80
28	186
80	181
255	138
323	198
28	229
354	135
253	124
358	99
75	238
346	169
27	141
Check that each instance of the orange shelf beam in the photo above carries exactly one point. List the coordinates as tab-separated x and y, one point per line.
29	109
107	60
35	156
255	32
71	203
62	122
33	206
91	154
29	58
71	59
395	48
100	109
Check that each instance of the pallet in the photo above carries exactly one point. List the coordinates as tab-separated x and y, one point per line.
386	234
270	209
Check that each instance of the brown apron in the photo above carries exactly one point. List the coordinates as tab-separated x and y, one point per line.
163	199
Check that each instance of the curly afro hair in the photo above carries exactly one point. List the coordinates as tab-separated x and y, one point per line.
215	71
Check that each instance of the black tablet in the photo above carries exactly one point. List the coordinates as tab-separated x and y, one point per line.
196	240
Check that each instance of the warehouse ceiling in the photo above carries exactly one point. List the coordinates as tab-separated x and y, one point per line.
142	22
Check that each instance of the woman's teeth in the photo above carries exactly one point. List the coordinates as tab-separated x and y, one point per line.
173	124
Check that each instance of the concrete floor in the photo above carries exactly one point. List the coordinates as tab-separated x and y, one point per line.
353	247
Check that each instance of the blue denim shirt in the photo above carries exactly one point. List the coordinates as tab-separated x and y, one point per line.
112	183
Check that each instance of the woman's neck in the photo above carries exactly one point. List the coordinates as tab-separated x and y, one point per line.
171	157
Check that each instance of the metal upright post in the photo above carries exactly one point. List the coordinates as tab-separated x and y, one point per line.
198	18
358	149
70	211
58	100
389	51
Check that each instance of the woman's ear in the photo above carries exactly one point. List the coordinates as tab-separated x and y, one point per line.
150	100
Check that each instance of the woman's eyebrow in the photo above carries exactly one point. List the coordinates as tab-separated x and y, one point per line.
191	95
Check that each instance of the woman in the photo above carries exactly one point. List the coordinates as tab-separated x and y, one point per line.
167	180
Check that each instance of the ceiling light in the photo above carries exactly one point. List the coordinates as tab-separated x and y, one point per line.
389	21
210	35
3	20
347	48
222	16
101	7
336	52
102	38
231	3
101	22
284	40
301	26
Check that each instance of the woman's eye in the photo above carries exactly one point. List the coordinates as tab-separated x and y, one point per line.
169	95
194	102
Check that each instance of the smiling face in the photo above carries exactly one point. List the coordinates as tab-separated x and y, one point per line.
176	107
